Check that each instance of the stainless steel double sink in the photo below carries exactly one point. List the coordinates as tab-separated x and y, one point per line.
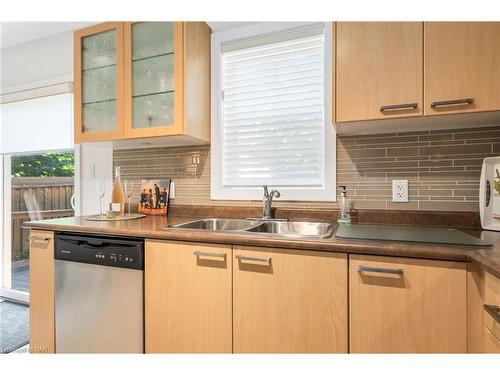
294	229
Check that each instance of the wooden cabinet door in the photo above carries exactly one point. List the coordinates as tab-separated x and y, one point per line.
98	82
491	321
400	305
378	70
461	67
187	297
42	292
492	289
491	342
289	302
154	79
475	308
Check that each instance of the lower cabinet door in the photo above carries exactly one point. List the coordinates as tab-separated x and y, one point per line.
491	342
187	297
42	292
400	305
289	301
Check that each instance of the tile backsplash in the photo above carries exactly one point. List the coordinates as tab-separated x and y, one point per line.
443	168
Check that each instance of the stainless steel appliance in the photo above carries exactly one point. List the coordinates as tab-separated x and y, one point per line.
99	294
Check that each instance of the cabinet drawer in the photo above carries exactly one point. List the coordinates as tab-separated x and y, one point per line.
491	343
400	305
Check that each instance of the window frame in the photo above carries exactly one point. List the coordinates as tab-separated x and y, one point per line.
218	191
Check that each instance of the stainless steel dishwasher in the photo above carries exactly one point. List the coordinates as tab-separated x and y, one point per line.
99	294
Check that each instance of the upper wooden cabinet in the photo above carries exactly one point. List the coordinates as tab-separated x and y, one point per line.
98	82
289	301
399	305
378	70
141	80
461	67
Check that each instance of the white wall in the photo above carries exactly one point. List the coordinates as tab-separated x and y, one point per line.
96	163
39	60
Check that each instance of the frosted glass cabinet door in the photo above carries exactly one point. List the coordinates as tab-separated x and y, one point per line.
98	81
151	82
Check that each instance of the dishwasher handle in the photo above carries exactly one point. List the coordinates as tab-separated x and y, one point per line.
105	245
95	243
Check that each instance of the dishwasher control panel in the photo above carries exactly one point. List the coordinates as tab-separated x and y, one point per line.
104	251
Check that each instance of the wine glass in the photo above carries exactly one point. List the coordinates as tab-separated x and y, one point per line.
129	191
101	191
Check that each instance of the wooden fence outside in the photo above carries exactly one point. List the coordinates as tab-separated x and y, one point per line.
53	196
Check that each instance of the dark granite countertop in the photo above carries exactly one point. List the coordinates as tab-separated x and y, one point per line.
154	228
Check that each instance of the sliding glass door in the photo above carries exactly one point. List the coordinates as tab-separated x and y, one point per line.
36	186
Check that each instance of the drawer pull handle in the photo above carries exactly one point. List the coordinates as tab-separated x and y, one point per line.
213	255
254	259
38	238
447	103
396	107
494	311
397	271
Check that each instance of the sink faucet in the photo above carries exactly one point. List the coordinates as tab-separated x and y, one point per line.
267	202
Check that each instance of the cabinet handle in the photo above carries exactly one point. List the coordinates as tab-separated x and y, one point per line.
255	259
397	271
213	255
38	238
494	311
396	107
446	103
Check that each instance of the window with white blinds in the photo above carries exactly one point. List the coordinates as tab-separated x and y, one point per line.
272	110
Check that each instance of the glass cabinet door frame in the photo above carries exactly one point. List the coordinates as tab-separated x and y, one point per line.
177	127
80	135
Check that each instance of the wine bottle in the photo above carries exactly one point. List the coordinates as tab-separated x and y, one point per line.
118	195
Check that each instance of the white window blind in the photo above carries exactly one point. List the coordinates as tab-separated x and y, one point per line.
40	124
273	115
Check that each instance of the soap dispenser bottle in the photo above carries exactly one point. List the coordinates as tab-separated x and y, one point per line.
344	207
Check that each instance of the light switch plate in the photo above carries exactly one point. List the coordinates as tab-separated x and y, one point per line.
400	190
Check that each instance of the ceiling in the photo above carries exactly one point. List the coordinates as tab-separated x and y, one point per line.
219	26
12	33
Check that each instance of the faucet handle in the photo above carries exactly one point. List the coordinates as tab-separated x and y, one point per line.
266	193
277	194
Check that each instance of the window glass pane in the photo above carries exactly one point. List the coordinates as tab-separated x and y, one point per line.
41	188
273	110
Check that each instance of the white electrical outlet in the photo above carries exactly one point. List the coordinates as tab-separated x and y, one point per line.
400	190
172	190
